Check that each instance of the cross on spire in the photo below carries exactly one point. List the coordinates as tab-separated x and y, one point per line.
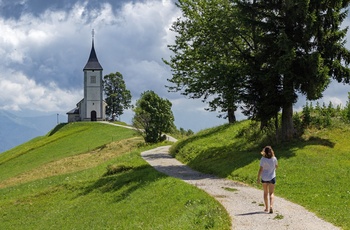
92	63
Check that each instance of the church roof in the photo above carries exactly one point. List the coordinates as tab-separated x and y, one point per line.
93	63
74	111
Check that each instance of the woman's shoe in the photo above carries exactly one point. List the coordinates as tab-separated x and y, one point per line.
271	210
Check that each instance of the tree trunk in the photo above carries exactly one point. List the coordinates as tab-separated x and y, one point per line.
263	123
276	127
287	122
231	115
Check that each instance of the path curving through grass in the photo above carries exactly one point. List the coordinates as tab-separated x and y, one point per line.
243	203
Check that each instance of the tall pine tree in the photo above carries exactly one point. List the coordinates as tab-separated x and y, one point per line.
305	48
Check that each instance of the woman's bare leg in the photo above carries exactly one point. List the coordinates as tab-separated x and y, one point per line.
272	195
266	193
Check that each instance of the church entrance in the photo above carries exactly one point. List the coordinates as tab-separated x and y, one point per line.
93	115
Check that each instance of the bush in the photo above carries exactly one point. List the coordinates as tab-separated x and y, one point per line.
320	117
114	169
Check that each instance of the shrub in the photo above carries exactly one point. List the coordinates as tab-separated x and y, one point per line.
114	169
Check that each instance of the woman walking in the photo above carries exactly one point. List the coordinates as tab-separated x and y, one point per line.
267	176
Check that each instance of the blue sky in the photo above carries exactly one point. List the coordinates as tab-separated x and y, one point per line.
44	46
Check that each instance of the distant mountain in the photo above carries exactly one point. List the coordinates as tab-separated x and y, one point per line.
15	130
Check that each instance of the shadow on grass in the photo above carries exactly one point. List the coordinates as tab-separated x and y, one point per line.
244	150
125	183
57	128
319	141
223	160
289	148
211	132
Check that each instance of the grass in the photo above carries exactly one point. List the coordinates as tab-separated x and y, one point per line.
278	217
64	141
105	185
313	171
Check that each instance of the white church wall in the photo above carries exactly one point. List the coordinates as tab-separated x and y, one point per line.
94	78
94	105
93	93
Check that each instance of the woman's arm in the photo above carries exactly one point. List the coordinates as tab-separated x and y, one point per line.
276	166
259	175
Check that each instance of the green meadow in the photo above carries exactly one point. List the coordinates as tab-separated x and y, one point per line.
91	176
314	170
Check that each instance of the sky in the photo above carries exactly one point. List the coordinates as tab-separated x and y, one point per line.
44	46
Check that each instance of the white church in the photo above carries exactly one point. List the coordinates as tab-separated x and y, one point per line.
92	107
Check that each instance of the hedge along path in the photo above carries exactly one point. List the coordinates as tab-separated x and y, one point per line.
243	203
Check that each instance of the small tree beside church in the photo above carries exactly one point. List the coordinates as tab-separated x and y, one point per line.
118	97
153	116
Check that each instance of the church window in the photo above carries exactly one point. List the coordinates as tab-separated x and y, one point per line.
93	79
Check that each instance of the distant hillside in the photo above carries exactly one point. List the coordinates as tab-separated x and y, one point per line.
15	130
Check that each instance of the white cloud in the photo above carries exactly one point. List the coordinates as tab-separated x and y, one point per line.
22	93
49	51
44	54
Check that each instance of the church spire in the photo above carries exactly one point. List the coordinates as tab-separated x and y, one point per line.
93	63
93	37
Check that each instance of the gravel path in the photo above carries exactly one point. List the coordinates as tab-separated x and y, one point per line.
242	202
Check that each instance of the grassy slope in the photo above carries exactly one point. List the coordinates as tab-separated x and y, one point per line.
59	182
313	172
66	140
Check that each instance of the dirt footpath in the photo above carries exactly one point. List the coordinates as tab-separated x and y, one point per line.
241	202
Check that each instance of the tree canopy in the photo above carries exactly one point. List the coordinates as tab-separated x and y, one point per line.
259	54
153	116
118	97
202	64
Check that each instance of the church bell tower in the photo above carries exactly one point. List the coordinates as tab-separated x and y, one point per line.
93	106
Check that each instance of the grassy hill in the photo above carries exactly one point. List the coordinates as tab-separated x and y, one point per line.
91	176
313	171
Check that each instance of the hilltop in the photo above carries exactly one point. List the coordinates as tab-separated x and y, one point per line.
91	176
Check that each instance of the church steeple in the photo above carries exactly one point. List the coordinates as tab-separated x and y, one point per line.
93	63
92	107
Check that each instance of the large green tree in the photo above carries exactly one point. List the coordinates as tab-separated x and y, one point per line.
262	53
261	93
205	63
303	44
153	117
118	97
